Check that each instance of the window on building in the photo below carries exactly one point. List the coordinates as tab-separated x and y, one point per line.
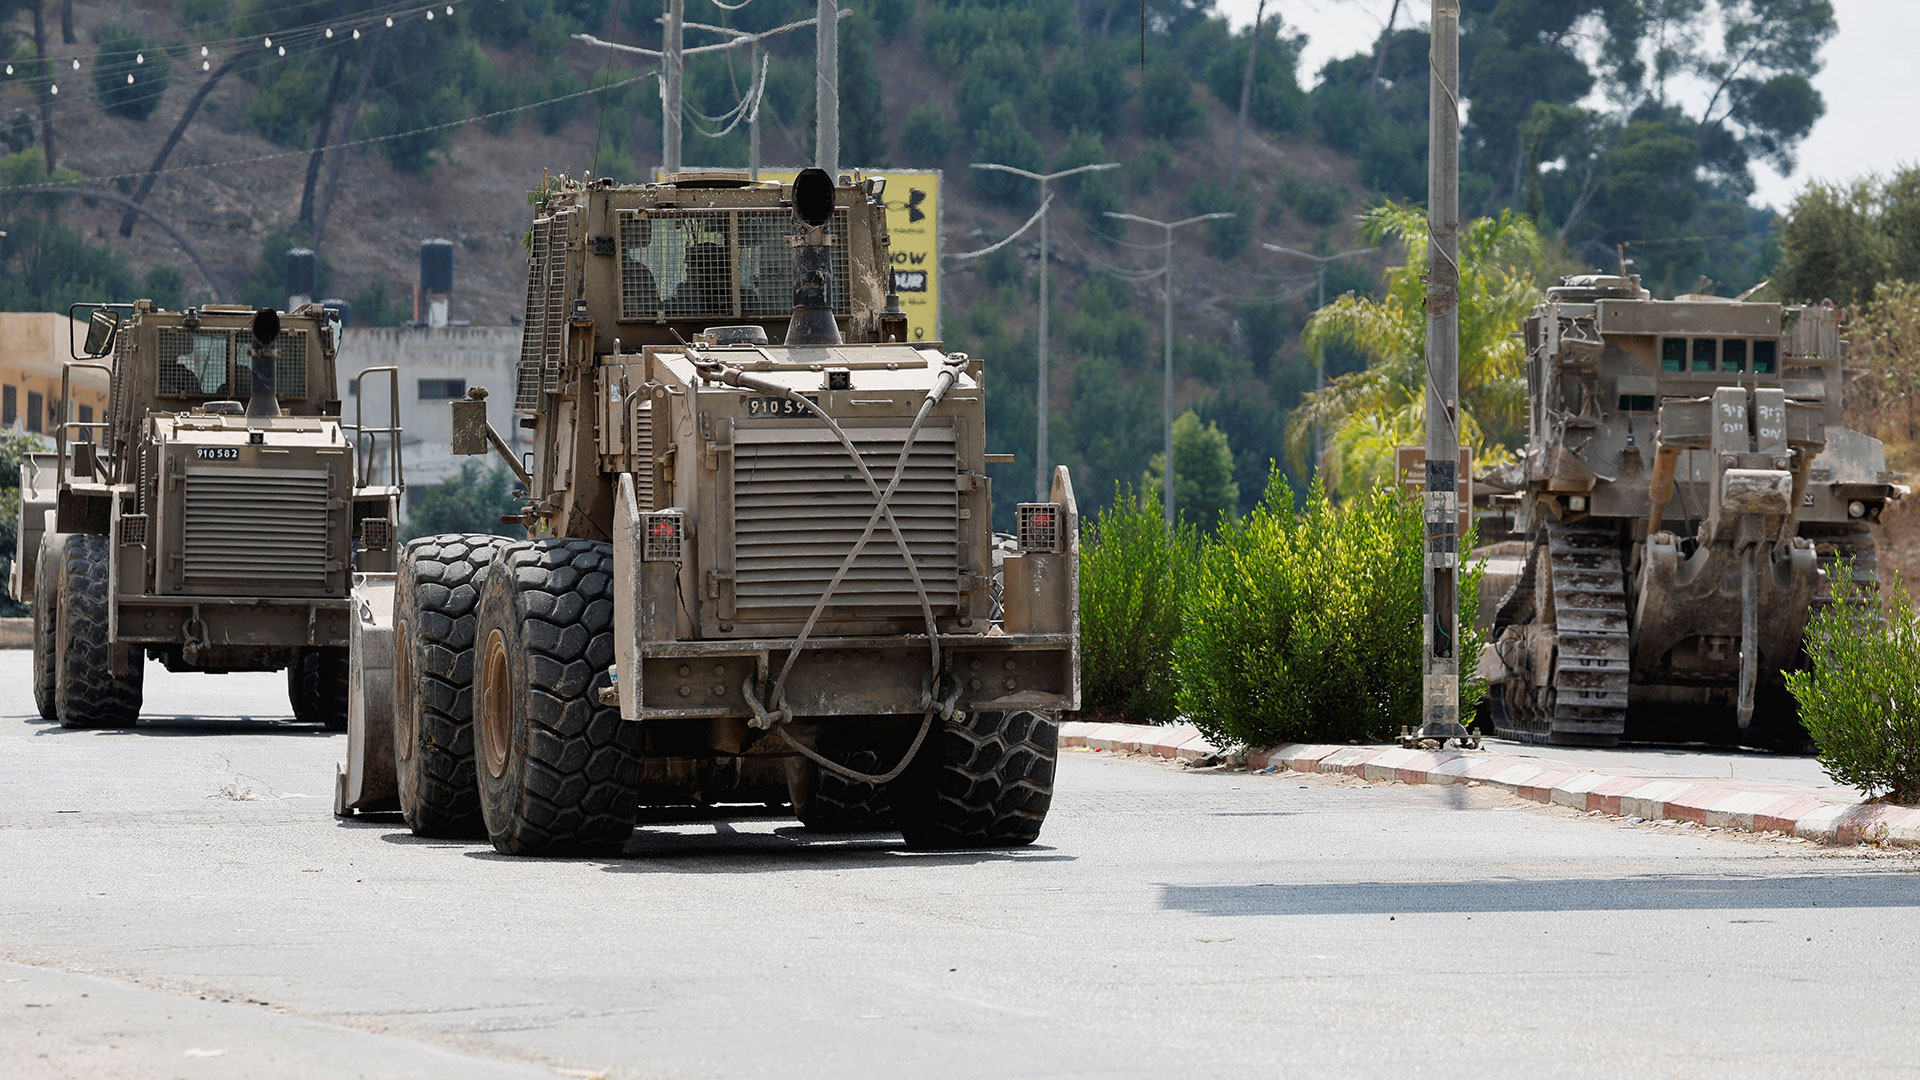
1673	354
442	389
85	434
9	407
36	411
1733	355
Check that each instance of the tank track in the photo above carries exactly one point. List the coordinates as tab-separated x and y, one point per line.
1585	702
1854	543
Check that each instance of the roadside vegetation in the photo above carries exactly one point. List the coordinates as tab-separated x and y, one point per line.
1859	693
472	501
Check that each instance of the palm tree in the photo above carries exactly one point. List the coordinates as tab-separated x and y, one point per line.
1369	412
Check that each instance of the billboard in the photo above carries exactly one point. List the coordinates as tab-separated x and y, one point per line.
913	221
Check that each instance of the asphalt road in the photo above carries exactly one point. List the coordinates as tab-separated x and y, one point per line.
177	901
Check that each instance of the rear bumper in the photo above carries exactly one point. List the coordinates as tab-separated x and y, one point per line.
853	676
231	627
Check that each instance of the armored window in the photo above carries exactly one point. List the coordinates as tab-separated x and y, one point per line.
442	389
1733	354
714	264
9	407
36	406
1703	353
196	363
1673	354
289	369
1766	357
1636	402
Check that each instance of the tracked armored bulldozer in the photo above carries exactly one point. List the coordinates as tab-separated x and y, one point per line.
212	520
758	565
1687	486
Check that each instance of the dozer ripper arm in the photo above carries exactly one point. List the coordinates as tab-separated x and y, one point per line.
1759	446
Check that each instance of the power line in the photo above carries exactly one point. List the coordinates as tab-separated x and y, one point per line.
349	144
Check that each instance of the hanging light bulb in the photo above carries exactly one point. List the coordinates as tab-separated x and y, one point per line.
389	22
129	79
206	65
449	9
9	69
53	88
76	63
139	58
203	50
429	16
356	34
283	50
269	43
329	31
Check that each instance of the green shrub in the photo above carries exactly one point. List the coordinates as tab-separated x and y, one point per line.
1314	200
1227	237
1167	108
1302	623
1005	140
927	136
472	501
1859	693
1132	575
124	55
1152	161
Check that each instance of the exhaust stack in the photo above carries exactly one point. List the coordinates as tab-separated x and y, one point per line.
265	401
812	320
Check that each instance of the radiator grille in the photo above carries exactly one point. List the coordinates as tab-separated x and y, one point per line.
644	465
717	264
799	505
268	529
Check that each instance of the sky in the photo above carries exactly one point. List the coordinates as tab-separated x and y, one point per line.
1867	82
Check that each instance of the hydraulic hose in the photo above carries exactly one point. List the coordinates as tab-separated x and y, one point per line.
775	713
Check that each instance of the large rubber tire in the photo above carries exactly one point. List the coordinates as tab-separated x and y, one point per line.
317	686
826	802
558	771
984	780
87	693
46	603
435	596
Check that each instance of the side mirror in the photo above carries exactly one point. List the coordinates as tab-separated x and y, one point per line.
102	326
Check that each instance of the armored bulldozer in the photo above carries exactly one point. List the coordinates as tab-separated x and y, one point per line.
758	564
1688	484
211	520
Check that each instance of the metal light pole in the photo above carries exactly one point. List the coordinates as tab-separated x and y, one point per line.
1319	361
1166	336
1043	474
671	79
826	89
1441	634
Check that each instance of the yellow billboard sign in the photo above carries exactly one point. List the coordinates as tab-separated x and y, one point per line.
913	221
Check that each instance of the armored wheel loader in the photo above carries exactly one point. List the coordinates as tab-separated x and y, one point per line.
1687	486
758	562
211	520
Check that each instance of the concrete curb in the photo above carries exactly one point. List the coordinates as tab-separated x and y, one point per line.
16	633
1731	804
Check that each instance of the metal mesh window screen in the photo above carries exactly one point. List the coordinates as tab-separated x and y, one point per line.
708	264
195	363
1039	527
553	316
664	533
289	368
527	390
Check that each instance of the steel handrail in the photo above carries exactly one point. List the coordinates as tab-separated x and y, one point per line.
66	421
364	437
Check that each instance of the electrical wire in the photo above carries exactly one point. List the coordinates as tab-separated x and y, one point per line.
349	144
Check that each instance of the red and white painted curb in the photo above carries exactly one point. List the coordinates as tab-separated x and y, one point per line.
1821	816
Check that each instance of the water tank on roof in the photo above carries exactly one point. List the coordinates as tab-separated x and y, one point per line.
436	266
302	265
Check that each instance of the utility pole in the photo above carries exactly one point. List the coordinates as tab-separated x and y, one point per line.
1440	636
1166	338
1042	471
1319	360
674	71
826	89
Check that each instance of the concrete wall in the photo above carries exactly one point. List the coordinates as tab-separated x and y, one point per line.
433	361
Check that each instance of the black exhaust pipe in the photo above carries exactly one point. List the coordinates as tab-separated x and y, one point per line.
264	401
812	320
